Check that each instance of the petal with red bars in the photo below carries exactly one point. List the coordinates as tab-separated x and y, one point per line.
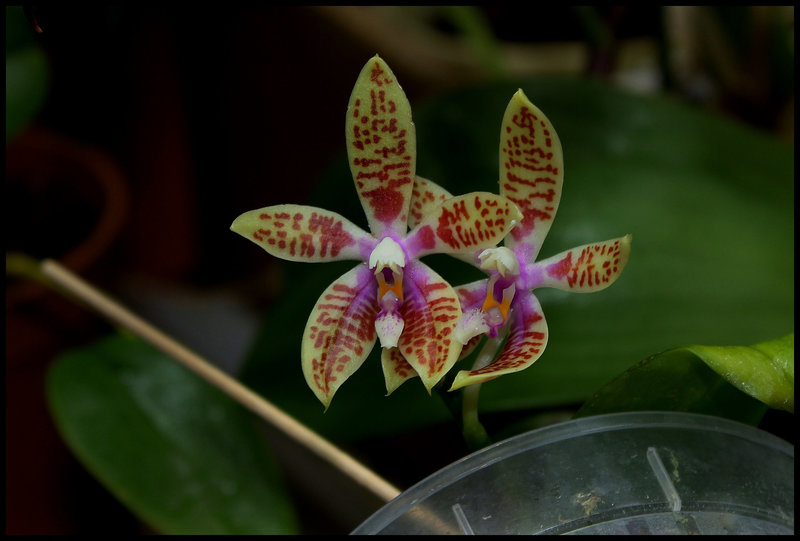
431	310
425	197
303	233
526	342
531	171
340	332
396	369
381	148
584	269
463	224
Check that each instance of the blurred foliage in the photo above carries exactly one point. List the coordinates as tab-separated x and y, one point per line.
739	59
184	457
27	72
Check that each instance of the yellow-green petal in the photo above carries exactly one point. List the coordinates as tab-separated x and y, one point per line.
396	369
431	311
381	148
587	268
526	342
340	332
531	171
303	233
425	197
463	224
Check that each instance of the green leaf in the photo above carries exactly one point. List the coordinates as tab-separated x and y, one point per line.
176	451
27	72
764	371
710	205
675	380
27	77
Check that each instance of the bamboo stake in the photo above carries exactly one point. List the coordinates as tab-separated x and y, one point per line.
249	399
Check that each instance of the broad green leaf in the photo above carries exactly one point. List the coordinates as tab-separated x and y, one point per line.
708	201
185	458
675	380
764	371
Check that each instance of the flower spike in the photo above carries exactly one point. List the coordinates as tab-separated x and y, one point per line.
531	176
390	296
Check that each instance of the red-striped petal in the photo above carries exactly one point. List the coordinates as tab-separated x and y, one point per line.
396	369
463	224
340	332
584	269
303	233
425	197
531	171
526	342
381	148
430	310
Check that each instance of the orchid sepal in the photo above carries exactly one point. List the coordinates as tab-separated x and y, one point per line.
526	342
340	332
381	147
463	224
431	311
396	369
531	171
425	197
584	269
304	233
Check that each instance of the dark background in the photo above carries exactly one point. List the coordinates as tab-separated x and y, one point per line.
195	114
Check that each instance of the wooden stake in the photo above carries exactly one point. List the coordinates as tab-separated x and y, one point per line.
254	402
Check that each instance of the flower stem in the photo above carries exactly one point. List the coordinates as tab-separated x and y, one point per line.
474	433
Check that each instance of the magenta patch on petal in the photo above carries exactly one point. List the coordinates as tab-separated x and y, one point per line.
387	203
560	269
426	238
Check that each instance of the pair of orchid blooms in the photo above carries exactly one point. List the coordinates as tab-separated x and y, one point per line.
424	325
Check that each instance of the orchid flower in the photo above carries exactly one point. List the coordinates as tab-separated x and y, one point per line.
390	293
531	175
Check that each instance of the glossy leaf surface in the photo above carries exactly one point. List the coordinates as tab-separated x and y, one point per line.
675	380
764	371
185	458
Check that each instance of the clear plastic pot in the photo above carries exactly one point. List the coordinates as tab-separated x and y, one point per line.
626	473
